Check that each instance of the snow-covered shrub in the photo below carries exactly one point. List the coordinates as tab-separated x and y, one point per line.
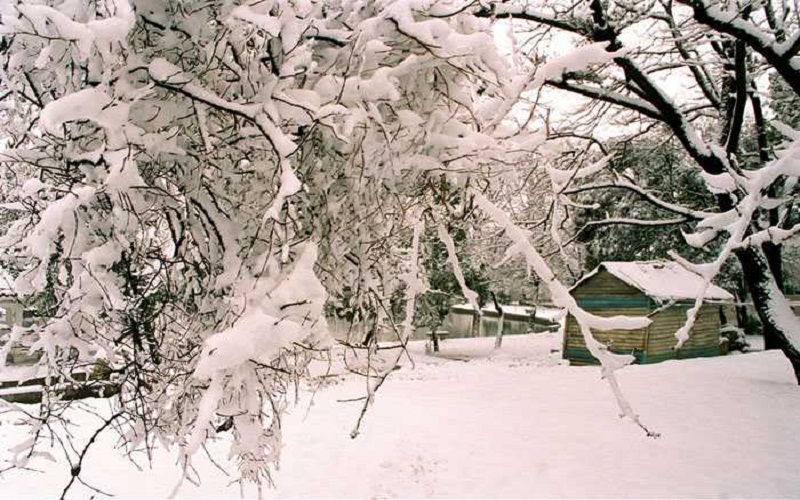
734	337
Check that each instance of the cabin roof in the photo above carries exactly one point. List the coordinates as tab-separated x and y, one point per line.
661	280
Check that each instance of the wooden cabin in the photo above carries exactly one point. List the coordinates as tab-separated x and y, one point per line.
664	291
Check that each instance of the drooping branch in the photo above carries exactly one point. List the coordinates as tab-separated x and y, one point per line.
501	10
600	29
650	197
700	75
608	96
629	221
778	55
561	297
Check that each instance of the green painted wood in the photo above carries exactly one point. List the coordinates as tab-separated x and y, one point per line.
606	295
650	358
604	284
621	302
700	352
582	355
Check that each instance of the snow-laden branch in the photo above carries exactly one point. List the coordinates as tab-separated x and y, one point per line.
736	223
452	259
503	10
791	47
167	75
647	195
774	235
51	23
609	96
555	72
560	293
609	361
629	221
780	55
414	285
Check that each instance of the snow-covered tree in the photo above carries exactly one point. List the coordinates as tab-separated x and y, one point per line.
689	68
200	176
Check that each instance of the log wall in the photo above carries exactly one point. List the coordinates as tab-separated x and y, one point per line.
606	295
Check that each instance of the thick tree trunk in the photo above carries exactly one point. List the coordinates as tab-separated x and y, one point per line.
762	287
742	316
773	255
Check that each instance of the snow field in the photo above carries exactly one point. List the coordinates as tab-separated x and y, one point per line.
473	422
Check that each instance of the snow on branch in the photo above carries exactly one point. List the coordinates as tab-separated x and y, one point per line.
87	104
736	222
774	235
414	285
579	59
452	258
647	195
780	55
50	23
172	77
561	178
609	361
628	221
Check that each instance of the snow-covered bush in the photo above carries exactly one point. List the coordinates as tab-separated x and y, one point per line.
734	338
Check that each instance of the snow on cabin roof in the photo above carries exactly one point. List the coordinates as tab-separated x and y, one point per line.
661	280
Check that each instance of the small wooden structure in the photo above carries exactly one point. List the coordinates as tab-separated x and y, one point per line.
661	290
12	312
11	309
518	319
794	302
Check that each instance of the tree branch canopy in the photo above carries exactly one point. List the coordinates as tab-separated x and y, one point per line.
779	56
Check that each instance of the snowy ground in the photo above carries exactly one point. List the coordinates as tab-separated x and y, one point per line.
475	423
